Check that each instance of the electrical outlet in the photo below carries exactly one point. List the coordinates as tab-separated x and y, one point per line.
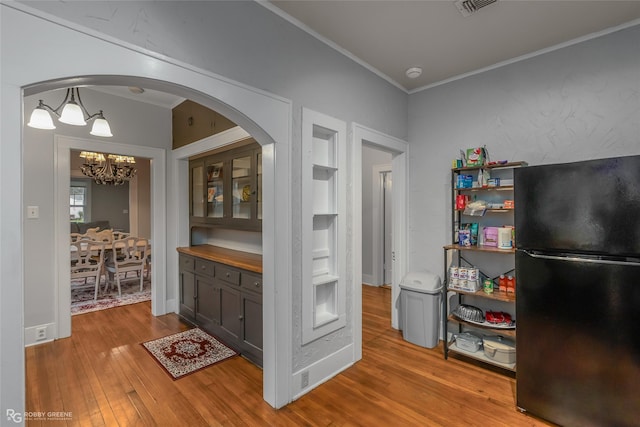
304	379
41	334
33	212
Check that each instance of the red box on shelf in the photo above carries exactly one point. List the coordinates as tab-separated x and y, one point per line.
461	201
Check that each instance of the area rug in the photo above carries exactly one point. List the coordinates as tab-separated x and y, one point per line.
82	295
187	352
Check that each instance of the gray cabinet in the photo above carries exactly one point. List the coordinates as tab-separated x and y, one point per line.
230	313
251	323
225	301
207	302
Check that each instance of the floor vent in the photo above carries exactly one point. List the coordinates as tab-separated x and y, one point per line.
468	7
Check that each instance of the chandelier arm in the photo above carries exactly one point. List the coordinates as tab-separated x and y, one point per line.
84	109
99	114
63	103
56	110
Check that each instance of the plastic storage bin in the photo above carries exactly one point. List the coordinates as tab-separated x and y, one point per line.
420	297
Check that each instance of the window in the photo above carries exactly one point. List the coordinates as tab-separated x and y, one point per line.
79	202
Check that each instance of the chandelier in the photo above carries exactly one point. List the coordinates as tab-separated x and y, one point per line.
73	113
113	169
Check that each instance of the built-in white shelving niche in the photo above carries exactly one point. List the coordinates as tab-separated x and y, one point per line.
323	222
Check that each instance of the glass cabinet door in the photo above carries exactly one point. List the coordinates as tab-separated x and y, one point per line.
226	189
215	190
241	187
197	191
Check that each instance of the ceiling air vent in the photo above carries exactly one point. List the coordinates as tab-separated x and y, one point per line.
467	7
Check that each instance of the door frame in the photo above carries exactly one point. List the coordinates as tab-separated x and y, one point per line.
361	135
62	160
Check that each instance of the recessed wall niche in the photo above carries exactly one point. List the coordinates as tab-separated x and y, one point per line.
324	221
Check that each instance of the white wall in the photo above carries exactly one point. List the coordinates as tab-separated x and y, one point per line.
370	158
132	122
577	103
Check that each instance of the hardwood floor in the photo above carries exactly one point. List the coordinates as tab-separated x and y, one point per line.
104	377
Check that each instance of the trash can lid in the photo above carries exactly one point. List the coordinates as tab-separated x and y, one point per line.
422	281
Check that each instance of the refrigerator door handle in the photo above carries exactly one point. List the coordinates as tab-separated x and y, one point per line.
579	259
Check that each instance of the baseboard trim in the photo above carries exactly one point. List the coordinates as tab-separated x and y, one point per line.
31	334
368	279
322	371
172	306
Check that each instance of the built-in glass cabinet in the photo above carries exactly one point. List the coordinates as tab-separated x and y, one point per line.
226	188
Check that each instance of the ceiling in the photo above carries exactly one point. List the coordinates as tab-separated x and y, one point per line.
390	36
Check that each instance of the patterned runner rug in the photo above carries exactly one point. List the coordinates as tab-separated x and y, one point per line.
82	295
187	352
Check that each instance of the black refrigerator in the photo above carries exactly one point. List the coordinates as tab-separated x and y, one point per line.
577	228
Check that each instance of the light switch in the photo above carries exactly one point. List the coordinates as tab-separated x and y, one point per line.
33	212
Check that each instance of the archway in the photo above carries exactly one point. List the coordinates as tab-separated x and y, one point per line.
105	61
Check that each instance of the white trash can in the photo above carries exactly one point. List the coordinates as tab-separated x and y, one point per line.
420	297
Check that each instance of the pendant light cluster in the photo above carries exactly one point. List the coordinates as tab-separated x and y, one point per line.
72	112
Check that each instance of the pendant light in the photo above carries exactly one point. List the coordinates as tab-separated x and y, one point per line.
73	113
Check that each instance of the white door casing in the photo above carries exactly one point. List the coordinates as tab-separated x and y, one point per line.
399	149
62	151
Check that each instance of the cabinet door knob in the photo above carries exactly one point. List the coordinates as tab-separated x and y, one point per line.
256	284
240	318
228	275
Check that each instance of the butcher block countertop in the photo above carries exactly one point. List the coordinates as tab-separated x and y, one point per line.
238	259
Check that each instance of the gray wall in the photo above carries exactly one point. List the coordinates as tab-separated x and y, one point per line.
109	202
580	102
131	122
246	42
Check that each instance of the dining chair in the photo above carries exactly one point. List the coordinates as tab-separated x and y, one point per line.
87	260
74	237
128	254
119	235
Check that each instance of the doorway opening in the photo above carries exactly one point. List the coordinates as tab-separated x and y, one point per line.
377	214
111	212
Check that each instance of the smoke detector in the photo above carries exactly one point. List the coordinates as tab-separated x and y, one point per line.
468	7
413	72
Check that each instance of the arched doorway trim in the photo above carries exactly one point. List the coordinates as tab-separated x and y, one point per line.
265	116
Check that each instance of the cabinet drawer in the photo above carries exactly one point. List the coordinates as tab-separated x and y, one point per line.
228	275
187	263
251	282
205	267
